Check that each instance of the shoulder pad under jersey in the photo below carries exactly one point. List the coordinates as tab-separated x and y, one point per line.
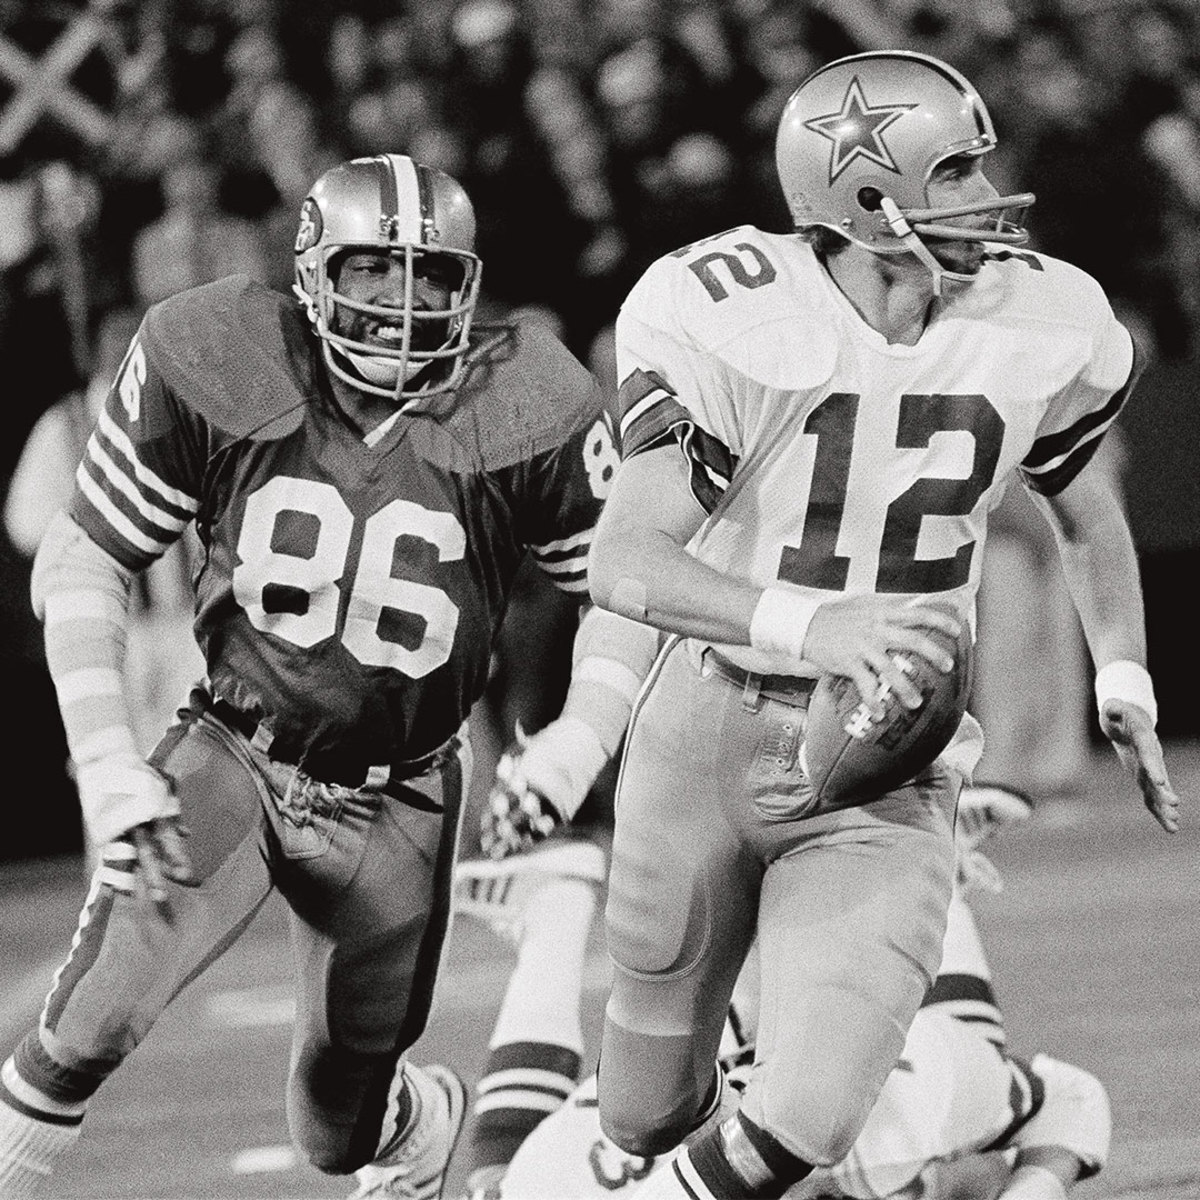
524	394
237	352
755	300
1038	289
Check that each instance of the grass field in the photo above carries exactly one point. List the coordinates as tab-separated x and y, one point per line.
1094	942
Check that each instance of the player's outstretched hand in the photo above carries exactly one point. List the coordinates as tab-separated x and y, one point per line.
1129	728
857	636
125	799
161	855
516	815
541	780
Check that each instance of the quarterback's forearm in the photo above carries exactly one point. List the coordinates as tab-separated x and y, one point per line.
640	567
1100	567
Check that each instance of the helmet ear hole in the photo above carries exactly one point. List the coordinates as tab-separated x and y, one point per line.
869	198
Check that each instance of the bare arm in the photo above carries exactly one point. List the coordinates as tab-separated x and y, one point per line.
639	564
640	567
1100	566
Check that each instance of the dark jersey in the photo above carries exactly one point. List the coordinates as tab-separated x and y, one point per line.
348	594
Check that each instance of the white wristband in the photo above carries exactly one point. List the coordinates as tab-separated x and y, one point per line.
780	621
562	762
1126	680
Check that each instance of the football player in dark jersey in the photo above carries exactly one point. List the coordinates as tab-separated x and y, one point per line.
365	470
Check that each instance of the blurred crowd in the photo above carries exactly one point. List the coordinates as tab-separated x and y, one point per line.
161	143
149	145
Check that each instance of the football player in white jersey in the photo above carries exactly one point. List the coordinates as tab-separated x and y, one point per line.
959	1116
815	427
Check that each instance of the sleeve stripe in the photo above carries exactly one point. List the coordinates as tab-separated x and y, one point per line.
1052	480
146	477
610	674
649	410
83	605
577	587
87	683
565	566
639	408
1056	446
119	522
649	428
654	411
118	479
546	549
100	743
711	466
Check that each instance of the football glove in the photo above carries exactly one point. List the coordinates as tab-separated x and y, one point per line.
541	780
124	798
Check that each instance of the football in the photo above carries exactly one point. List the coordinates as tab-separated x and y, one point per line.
852	758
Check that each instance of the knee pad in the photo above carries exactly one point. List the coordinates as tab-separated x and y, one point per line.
1075	1114
649	933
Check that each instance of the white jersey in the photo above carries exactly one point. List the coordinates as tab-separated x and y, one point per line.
834	462
952	1092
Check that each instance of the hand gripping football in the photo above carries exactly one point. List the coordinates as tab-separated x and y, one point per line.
853	758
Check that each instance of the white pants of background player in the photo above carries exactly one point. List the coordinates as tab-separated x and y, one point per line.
955	1091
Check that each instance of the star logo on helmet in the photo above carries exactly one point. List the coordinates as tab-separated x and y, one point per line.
856	131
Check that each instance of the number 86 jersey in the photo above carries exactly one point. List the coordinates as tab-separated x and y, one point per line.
348	592
833	461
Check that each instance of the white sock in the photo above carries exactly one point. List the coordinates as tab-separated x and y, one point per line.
541	1002
536	1047
29	1150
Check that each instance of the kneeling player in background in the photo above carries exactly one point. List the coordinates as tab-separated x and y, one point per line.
960	1118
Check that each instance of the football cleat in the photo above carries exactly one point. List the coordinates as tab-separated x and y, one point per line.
417	1169
498	892
983	810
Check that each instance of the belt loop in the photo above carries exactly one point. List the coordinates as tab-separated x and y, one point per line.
377	777
750	691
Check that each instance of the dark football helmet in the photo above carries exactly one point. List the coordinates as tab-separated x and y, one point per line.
389	203
859	139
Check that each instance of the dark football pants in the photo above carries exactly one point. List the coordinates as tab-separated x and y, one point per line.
849	908
367	878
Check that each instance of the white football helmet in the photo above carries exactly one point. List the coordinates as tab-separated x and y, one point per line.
859	139
389	203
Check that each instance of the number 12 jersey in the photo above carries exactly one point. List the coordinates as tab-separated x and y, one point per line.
833	461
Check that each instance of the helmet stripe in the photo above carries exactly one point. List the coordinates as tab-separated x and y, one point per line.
977	109
389	194
425	194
